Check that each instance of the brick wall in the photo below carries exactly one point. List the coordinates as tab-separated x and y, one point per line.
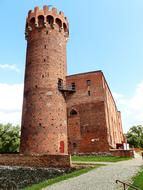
96	126
35	160
122	153
113	118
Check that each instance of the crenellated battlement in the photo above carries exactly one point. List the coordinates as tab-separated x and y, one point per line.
46	18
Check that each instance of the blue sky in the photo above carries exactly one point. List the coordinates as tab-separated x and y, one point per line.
105	35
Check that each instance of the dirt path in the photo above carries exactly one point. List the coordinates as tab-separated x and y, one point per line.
102	178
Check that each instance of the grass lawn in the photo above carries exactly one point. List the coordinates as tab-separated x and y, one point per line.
138	180
60	178
99	158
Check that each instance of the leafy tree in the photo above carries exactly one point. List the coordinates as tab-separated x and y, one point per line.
9	138
135	136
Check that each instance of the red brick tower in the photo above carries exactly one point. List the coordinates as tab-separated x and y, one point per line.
44	118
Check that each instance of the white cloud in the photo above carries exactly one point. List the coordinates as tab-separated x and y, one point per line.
131	108
11	98
10	67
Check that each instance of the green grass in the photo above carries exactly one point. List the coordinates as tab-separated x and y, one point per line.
60	178
138	180
99	158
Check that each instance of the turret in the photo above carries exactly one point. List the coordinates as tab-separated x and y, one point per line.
44	117
48	19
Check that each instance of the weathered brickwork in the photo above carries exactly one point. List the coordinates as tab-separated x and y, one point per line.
94	123
35	160
44	119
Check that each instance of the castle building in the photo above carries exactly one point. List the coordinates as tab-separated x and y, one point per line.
61	114
44	118
76	112
94	123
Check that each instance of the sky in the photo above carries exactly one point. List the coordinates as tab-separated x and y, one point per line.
104	35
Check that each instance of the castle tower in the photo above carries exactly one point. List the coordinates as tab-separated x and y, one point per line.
44	117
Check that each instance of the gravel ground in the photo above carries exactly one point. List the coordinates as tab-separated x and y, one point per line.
102	178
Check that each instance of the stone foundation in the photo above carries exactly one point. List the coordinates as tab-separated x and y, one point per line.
46	161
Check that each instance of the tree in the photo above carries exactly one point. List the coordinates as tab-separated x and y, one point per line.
135	136
9	138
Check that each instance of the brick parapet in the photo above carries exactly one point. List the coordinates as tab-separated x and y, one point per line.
46	19
45	161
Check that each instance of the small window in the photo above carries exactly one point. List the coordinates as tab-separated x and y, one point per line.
60	84
88	82
74	145
89	93
73	112
73	86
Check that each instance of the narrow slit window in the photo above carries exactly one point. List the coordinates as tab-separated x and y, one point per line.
74	145
88	82
89	93
60	84
73	86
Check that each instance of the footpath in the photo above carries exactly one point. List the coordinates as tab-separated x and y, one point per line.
102	178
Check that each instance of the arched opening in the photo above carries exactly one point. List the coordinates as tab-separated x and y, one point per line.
62	147
59	22
41	20
32	22
50	19
65	27
73	112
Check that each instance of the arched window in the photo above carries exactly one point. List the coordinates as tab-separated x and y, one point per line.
41	20
73	112
59	22
65	27
50	19
32	22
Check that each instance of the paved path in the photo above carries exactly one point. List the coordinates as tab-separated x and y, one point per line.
102	178
91	163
